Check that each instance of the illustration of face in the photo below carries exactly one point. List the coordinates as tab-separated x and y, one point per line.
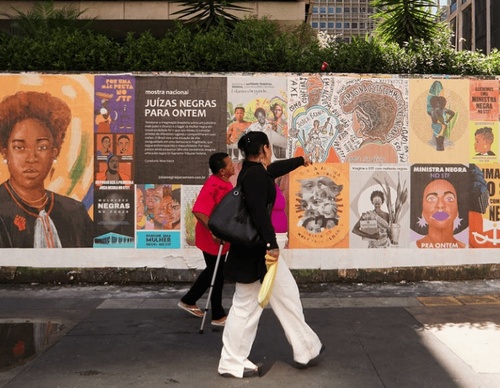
377	202
278	112
319	188
153	198
139	203
440	204
176	211
313	225
239	113
481	145
106	143
163	212
113	164
328	209
261	117
123	145
30	153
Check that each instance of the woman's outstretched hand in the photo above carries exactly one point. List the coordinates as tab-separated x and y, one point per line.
307	160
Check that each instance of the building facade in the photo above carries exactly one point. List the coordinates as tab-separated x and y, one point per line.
475	23
342	18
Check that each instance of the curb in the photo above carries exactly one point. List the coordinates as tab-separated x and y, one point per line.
28	275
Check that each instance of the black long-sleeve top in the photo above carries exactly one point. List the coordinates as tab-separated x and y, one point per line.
247	265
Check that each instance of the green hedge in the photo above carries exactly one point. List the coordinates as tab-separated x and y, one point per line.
253	46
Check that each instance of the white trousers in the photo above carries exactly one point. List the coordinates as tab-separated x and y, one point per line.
243	320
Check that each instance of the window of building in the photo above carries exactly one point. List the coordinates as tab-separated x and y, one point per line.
347	10
354	25
331	10
338	10
322	25
347	25
362	25
467	28
331	25
315	9
322	10
354	9
314	24
338	25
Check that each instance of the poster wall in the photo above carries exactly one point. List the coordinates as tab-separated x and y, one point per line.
116	162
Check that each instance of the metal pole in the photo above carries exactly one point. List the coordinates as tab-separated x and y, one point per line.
212	285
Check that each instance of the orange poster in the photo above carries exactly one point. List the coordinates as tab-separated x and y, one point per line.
319	206
484	217
483	103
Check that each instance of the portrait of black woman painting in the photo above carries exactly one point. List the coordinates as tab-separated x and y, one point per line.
33	126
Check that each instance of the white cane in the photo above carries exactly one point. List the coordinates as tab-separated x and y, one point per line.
212	285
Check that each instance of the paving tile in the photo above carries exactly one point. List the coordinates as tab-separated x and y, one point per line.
438	300
478	299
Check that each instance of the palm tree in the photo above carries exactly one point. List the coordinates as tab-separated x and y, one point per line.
210	13
44	16
400	21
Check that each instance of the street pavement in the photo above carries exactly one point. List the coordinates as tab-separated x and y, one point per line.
426	334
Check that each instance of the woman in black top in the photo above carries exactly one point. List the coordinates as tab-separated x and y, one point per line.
247	267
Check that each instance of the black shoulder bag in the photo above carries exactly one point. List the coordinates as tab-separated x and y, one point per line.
231	222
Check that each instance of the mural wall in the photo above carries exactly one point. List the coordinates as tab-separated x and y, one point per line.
109	166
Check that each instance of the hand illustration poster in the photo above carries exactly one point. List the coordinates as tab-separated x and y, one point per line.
439	205
484	104
484	216
318	206
439	119
257	104
189	195
314	123
114	103
484	144
158	216
376	113
380	204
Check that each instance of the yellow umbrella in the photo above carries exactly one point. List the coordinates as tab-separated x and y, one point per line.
267	284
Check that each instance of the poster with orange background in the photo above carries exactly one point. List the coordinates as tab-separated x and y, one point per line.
72	174
319	206
483	103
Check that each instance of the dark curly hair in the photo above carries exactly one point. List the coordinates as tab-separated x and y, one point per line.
377	193
49	110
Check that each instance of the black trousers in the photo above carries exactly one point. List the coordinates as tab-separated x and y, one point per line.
202	284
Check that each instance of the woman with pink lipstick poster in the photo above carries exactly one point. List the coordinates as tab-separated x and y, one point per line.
439	211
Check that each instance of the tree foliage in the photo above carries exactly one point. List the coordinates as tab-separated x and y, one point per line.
400	21
209	14
253	45
44	16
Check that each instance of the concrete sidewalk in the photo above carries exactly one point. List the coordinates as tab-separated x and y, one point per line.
429	334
